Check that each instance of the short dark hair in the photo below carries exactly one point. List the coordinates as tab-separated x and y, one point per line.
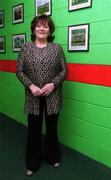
43	19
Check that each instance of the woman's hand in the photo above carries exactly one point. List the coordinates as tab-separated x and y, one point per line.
36	91
47	89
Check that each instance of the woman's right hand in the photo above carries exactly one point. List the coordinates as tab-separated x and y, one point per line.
36	91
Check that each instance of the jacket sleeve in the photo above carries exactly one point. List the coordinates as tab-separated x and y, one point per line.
20	69
62	69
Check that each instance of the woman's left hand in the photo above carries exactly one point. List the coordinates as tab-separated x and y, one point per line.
47	89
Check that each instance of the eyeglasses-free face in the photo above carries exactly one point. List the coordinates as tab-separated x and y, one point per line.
42	30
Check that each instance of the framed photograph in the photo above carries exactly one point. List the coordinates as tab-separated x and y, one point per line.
1	19
78	37
79	4
43	7
18	13
2	44
18	41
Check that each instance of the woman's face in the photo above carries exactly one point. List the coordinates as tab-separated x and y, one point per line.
42	30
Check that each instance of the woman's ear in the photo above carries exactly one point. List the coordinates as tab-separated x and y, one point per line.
34	32
49	34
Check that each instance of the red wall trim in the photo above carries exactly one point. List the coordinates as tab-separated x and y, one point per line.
8	66
90	74
84	73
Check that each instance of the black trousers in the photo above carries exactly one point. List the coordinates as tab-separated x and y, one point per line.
34	140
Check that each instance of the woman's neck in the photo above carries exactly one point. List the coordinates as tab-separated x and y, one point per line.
41	43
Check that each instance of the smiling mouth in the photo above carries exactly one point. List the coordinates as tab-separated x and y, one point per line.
42	33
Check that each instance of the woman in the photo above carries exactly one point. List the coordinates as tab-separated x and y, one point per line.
41	68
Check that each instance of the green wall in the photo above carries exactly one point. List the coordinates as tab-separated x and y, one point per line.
85	119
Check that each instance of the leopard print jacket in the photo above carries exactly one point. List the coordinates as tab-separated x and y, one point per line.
40	66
